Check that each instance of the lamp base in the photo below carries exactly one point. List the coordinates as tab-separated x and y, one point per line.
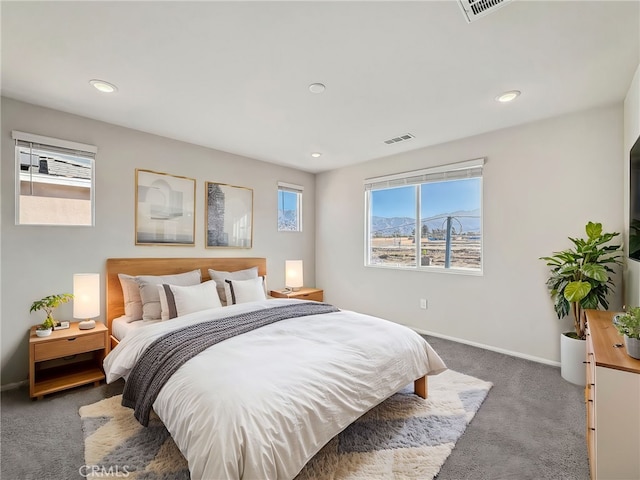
87	324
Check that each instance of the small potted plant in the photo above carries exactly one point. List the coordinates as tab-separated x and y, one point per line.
48	304
628	325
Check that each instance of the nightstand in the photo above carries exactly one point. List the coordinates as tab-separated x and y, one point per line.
66	358
315	294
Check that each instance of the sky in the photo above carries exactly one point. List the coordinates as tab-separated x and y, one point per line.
437	198
287	200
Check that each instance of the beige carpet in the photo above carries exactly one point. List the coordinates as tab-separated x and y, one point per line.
404	437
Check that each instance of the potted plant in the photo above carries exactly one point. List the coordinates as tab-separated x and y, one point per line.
628	325
48	304
581	278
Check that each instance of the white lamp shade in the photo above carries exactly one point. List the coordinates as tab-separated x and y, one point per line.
86	295
293	277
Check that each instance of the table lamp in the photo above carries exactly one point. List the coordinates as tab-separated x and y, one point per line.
293	278
86	298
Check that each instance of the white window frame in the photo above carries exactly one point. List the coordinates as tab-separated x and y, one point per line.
455	171
299	190
55	145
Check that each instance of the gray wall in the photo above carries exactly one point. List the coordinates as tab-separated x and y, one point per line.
542	182
38	261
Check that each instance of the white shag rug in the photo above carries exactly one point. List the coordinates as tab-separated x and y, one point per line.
403	437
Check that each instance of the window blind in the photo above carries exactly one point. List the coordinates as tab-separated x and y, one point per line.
290	187
54	145
453	171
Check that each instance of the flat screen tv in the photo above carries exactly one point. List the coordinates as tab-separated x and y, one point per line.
634	202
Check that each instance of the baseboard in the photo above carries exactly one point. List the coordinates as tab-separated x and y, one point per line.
12	386
488	347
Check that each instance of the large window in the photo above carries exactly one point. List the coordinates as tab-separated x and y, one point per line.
54	181
289	207
429	219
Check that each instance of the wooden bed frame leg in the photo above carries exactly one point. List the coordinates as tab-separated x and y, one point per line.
420	387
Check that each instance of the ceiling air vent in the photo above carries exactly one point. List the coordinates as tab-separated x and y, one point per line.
400	138
474	9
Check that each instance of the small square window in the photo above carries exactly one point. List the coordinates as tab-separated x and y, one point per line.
54	181
289	207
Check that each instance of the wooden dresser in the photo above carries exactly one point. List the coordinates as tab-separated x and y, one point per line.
612	398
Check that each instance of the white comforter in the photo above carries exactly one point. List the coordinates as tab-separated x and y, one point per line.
260	405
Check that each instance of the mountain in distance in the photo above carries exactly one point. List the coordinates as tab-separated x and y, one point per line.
468	219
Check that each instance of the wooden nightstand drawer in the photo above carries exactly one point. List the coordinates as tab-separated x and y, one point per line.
68	346
315	296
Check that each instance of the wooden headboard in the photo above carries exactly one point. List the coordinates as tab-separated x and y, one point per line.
167	266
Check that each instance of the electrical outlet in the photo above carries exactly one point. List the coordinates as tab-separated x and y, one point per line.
423	303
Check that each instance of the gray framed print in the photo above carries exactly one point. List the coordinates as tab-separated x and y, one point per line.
165	209
229	216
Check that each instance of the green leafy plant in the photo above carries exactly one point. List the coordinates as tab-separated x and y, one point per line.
48	304
629	323
581	276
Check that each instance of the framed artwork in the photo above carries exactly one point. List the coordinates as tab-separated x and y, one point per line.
165	209
229	216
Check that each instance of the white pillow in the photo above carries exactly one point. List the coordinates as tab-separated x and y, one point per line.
131	296
220	277
243	291
179	300
149	295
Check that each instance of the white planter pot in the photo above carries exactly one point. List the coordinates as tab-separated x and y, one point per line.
43	333
573	353
633	347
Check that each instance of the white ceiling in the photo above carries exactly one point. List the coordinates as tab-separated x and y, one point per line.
234	76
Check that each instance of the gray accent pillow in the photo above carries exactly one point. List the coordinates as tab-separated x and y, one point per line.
149	295
220	277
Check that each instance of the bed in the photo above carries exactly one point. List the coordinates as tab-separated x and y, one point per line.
262	404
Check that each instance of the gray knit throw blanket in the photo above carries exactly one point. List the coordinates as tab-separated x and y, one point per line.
166	354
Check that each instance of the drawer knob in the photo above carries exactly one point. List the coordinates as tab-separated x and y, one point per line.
71	339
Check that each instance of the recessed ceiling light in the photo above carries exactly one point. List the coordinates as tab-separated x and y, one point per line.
508	96
316	154
317	88
104	87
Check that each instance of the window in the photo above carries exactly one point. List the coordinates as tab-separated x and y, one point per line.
54	181
289	207
429	219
